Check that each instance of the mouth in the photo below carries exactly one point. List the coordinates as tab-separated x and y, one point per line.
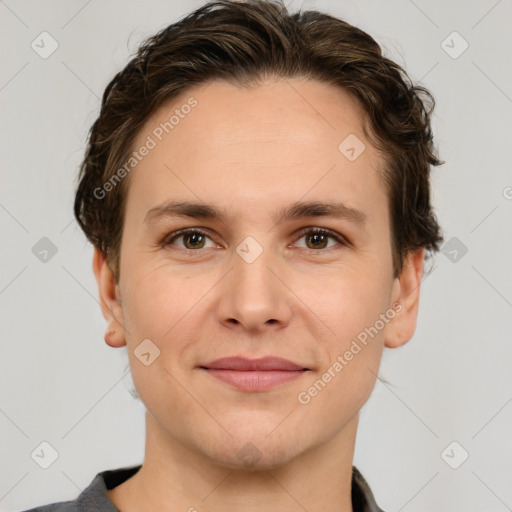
254	374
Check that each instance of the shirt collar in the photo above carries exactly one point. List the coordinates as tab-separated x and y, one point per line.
95	496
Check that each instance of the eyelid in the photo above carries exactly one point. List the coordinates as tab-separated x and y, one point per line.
170	237
341	239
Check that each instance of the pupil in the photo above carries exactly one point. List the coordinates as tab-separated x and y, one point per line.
317	237
194	237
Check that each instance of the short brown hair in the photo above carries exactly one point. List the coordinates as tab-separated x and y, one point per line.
243	42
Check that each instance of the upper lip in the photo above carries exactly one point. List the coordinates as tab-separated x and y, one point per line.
245	364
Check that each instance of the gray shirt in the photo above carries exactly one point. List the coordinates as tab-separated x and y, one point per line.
95	498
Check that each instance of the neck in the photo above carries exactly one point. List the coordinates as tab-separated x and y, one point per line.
177	477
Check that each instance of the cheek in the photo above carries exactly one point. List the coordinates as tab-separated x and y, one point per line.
164	306
357	313
158	309
156	296
348	301
351	351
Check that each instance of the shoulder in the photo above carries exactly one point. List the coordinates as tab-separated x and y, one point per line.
95	497
363	499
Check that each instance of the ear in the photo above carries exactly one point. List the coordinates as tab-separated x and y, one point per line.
406	292
110	301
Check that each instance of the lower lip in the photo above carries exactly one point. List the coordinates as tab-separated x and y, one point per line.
255	380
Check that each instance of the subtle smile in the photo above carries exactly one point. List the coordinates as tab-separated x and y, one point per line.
254	374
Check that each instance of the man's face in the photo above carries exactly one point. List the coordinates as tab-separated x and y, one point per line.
254	285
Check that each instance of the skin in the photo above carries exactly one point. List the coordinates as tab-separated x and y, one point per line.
252	152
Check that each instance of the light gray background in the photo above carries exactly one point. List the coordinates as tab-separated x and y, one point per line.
62	384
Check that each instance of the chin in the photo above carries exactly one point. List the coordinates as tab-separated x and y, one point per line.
254	456
254	449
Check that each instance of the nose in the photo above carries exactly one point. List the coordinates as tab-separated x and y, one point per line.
252	296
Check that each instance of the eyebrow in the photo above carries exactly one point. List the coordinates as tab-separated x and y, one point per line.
295	211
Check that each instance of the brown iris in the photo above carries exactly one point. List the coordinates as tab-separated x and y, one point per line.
316	237
196	238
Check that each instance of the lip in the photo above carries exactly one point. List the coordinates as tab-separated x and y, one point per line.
245	364
254	374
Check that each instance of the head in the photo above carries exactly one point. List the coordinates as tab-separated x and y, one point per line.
247	111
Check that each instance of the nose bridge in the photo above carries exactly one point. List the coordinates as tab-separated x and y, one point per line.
251	275
254	294
256	270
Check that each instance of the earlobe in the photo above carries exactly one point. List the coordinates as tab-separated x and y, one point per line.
109	301
406	292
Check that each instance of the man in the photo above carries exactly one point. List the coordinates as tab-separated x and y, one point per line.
256	187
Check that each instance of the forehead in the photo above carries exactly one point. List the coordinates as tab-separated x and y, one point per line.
279	138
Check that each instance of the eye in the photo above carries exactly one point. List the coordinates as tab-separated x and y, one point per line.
317	238
193	239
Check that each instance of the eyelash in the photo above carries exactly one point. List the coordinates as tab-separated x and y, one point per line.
168	239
